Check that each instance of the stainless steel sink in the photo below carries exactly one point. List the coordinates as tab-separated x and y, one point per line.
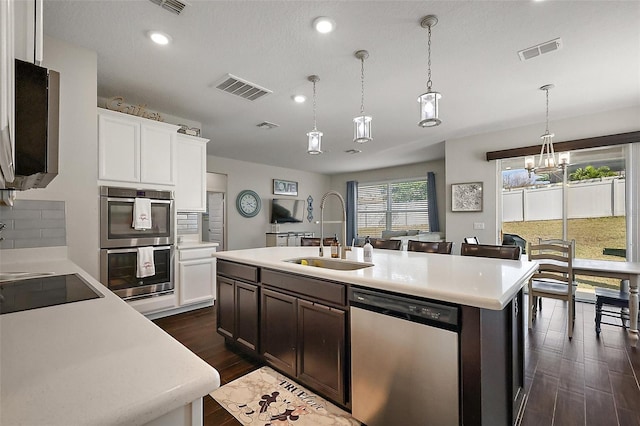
12	276
337	264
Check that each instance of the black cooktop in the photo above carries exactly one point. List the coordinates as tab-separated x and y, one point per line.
33	293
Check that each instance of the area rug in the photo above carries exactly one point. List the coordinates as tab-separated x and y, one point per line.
267	398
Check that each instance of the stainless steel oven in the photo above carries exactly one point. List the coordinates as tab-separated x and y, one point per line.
119	242
116	217
118	272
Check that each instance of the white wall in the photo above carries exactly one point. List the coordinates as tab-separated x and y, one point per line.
250	232
78	157
466	162
410	171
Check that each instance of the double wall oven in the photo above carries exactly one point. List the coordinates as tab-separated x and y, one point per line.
119	242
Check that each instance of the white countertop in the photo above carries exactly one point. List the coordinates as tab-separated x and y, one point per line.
473	281
94	362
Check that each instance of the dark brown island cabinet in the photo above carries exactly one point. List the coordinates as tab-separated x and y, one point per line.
299	325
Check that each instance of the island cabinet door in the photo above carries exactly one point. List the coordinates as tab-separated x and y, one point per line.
321	348
246	332
278	330
225	301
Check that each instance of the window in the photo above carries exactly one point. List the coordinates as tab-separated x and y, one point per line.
392	206
595	216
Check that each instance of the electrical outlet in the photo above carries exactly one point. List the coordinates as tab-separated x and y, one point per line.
478	225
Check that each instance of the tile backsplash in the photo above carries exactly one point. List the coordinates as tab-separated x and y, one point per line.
188	223
33	223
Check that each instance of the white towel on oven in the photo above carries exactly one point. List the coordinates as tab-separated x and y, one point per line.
146	267
141	214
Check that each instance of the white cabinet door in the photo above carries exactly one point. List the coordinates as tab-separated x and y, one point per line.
118	148
191	171
197	280
156	154
135	149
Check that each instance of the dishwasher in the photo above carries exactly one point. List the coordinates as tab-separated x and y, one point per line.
404	360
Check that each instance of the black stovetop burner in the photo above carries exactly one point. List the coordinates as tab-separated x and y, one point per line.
33	293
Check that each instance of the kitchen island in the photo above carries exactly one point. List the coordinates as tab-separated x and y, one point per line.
297	318
93	362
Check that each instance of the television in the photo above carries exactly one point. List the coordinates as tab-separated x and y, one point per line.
286	210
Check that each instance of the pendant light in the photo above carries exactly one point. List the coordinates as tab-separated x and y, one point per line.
429	100
547	162
315	137
362	123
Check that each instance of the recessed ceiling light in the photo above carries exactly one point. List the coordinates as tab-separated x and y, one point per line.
299	98
159	37
324	24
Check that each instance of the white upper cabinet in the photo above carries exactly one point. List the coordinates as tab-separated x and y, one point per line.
134	149
191	171
157	151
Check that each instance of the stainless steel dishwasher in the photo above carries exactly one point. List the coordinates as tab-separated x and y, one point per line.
404	360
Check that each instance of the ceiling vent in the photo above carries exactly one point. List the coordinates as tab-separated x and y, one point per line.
540	49
173	6
267	125
353	151
244	89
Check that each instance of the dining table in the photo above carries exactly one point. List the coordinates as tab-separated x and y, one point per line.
624	270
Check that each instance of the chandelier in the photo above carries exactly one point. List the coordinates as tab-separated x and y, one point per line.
362	123
315	136
547	163
429	100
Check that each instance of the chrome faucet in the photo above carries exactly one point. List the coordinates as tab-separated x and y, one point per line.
344	224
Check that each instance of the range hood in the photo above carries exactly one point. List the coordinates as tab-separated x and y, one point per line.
37	94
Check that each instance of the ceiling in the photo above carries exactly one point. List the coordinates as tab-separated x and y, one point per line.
475	65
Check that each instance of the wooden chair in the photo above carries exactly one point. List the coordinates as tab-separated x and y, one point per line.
471	240
386	244
315	242
486	250
442	247
554	277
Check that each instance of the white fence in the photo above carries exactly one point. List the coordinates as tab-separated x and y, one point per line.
593	198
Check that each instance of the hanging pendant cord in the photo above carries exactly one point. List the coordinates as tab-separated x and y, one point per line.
547	92
362	83
314	107
429	62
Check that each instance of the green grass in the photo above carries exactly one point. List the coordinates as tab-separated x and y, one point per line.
592	235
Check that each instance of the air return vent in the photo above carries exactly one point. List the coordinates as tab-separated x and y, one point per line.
244	89
267	125
540	49
173	6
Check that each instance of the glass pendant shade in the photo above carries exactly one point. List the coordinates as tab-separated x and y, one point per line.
362	129
315	142
429	109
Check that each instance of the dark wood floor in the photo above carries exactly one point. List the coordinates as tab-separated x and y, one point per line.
586	381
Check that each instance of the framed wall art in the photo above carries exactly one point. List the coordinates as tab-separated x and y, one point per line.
466	197
285	187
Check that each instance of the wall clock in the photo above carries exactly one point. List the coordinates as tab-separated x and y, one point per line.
248	203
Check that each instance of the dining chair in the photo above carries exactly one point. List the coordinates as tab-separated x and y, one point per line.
315	241
486	250
386	244
471	240
441	247
554	277
555	241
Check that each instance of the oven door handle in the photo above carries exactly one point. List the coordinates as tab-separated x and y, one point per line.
134	249
131	200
